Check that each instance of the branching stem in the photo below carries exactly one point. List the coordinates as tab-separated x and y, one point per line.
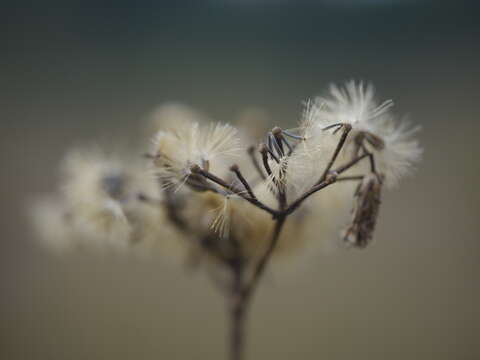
343	138
233	189
241	178
242	294
262	263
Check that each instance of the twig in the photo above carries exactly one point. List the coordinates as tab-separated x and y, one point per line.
260	268
330	179
293	206
235	168
349	178
373	168
351	163
237	315
346	130
256	165
233	189
263	149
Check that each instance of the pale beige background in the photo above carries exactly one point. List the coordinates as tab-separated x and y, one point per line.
75	72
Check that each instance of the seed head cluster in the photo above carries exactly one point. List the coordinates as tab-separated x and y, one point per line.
220	193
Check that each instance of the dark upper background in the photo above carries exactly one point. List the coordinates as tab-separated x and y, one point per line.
77	70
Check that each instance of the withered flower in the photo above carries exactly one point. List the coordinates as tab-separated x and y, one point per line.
365	211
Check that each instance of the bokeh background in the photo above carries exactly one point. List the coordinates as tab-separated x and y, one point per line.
76	71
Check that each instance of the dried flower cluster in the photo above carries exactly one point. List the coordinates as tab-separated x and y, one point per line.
234	201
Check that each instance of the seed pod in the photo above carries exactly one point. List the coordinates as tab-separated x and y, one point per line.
365	212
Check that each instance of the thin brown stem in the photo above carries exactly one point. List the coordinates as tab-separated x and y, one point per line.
351	163
262	264
264	152
282	194
256	165
341	142
278	134
242	294
328	181
274	144
373	167
294	206
242	179
281	186
233	189
350	178
237	316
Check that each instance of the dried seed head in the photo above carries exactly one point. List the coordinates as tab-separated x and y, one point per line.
210	146
195	168
374	127
276	131
365	212
225	210
99	207
262	148
114	185
354	103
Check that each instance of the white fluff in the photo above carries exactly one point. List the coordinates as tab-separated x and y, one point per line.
355	104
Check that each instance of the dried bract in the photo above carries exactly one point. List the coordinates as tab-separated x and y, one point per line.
365	212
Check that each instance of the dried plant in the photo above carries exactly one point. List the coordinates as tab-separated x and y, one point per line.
235	203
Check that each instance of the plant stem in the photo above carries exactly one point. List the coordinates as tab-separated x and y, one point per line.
262	264
343	138
237	316
233	189
256	165
241	295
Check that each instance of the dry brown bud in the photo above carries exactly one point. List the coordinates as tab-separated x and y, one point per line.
262	148
365	212
195	168
276	131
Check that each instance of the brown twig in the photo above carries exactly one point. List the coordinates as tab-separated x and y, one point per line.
332	178
256	165
263	149
350	178
235	168
261	265
233	189
237	314
241	295
351	163
343	138
294	206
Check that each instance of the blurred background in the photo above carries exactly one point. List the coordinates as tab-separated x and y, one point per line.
75	71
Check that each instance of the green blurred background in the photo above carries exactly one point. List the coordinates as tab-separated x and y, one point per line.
74	71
